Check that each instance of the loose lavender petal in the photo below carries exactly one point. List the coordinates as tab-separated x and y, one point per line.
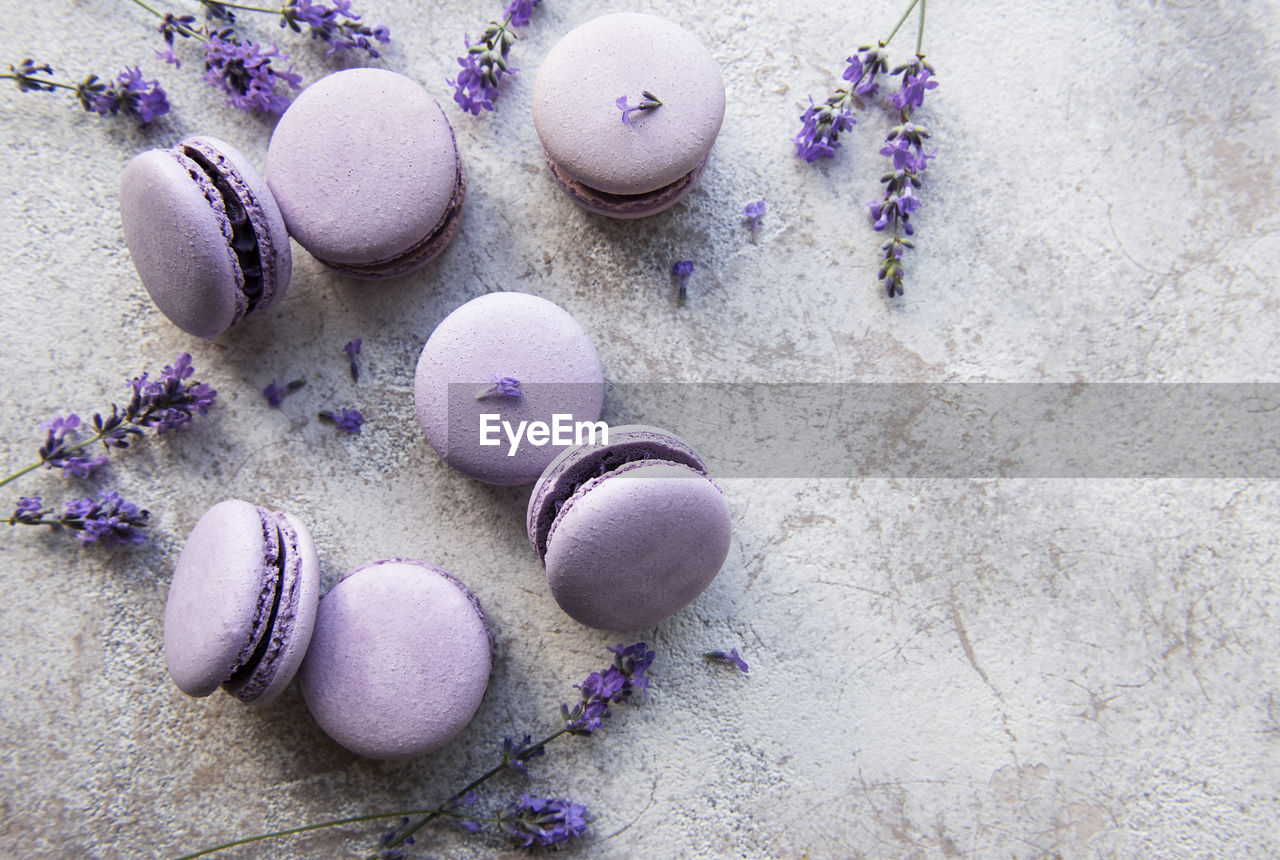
352	349
730	657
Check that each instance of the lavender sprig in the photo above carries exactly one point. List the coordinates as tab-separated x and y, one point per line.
485	63
246	72
338	27
161	405
109	518
528	821
129	94
822	124
904	146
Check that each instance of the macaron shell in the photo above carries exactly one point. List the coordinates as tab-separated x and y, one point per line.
260	206
425	251
178	235
576	466
399	660
508	334
634	206
625	54
294	619
363	166
221	595
633	547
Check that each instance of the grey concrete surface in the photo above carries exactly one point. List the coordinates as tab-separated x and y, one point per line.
1001	667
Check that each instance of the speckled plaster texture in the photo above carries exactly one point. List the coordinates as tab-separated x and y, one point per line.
1004	667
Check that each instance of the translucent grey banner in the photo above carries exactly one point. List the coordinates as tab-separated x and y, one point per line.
921	430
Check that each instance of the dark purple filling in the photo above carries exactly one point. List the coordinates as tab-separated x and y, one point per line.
244	242
596	465
241	675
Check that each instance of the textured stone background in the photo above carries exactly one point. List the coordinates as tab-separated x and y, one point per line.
991	667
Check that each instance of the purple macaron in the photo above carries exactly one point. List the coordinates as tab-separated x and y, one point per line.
507	365
399	661
644	165
205	234
366	171
242	603
630	532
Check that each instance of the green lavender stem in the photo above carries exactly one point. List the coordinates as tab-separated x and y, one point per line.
43	83
70	450
896	26
428	815
480	780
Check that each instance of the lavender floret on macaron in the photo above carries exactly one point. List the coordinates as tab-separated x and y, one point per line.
242	603
205	234
366	171
631	531
500	379
627	107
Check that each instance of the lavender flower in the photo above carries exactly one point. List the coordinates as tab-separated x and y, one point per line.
246	72
176	25
531	821
129	94
503	386
29	511
276	394
109	518
731	657
754	212
390	838
349	420
648	102
165	404
485	63
27	73
352	349
514	755
904	146
821	124
544	822
59	447
519	11
615	685
339	27
681	270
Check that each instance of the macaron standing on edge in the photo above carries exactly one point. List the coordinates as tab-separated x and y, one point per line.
647	164
366	171
629	532
514	358
400	659
242	603
205	234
